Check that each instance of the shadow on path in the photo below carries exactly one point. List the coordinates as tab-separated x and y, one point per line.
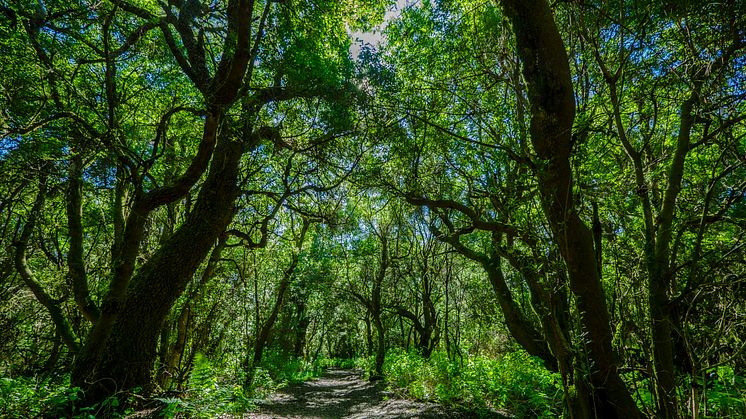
344	394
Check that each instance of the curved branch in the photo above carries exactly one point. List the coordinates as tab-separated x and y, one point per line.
62	326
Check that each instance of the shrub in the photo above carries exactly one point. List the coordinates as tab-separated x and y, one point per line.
284	368
210	393
516	382
726	393
25	397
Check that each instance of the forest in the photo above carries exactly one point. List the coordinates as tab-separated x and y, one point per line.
510	208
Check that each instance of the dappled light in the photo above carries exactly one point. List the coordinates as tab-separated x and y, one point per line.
372	209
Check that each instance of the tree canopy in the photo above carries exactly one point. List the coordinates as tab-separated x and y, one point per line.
245	191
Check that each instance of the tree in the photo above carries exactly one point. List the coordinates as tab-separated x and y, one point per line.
230	185
547	73
653	162
264	327
422	271
372	280
119	351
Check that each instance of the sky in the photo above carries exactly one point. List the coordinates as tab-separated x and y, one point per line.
376	37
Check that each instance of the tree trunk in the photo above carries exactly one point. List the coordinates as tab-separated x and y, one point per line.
547	74
380	348
376	305
518	325
368	335
76	256
263	334
447	281
431	336
301	329
61	324
130	350
175	352
657	233
661	274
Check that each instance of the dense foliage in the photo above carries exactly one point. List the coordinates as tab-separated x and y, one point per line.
519	206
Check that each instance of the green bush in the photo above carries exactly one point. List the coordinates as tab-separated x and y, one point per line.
725	395
516	382
210	392
345	363
26	397
287	369
214	391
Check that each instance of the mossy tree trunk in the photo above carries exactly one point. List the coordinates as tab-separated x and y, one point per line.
127	358
547	74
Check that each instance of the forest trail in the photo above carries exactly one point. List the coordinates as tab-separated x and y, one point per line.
343	393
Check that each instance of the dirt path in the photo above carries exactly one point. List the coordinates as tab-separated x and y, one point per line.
344	394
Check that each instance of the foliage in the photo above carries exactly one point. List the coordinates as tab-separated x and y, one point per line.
283	369
209	393
515	382
725	392
212	390
26	397
344	363
411	172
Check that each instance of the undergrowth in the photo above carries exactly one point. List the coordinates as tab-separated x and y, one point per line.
213	391
515	383
716	393
30	397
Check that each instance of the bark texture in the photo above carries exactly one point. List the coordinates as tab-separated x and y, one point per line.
75	255
121	349
547	75
131	347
